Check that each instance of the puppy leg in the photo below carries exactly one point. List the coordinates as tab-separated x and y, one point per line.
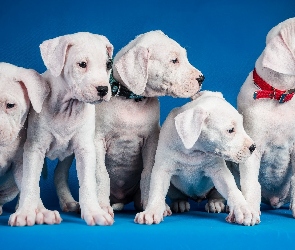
148	156
251	189
292	185
179	201
9	189
160	181
61	175
216	202
225	184
103	179
27	179
91	211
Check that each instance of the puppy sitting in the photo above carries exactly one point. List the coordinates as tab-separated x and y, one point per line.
127	127
268	106
19	87
194	143
78	75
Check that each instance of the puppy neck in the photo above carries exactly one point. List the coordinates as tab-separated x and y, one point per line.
119	89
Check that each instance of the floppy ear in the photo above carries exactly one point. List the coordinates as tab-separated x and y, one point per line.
133	68
279	54
53	53
189	125
109	46
36	86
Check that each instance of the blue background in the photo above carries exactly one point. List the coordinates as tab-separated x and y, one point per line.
223	39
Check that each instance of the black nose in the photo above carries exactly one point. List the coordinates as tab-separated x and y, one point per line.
200	79
102	90
252	148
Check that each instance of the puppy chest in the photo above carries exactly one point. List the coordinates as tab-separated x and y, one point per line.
124	151
60	149
275	168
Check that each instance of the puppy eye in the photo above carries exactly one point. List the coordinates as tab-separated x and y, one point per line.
231	130
82	64
109	63
175	60
10	105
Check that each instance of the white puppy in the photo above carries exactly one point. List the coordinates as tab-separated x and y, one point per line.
18	86
127	127
78	74
195	140
266	102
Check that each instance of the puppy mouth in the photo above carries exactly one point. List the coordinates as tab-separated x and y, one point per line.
238	158
97	102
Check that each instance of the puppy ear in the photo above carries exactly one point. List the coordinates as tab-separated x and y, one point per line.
36	86
279	54
53	52
132	67
109	46
189	125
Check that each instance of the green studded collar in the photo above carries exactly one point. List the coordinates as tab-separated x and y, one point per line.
120	90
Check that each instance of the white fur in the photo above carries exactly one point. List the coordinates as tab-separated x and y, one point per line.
271	124
195	165
127	131
66	123
19	87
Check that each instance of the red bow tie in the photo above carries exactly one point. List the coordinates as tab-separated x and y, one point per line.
270	92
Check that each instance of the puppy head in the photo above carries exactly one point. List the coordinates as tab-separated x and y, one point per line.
214	127
19	87
83	60
155	65
279	53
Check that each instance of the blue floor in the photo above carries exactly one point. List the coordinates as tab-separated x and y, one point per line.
191	230
222	38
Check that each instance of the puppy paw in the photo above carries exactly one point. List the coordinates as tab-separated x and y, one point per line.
22	217
96	217
180	206
118	206
71	207
167	211
45	216
108	209
215	206
243	215
149	217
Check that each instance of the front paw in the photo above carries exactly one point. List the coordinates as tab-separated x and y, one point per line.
45	216
167	211
180	206
30	217
108	209
215	206
118	206
243	215
96	217
149	217
22	217
72	206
